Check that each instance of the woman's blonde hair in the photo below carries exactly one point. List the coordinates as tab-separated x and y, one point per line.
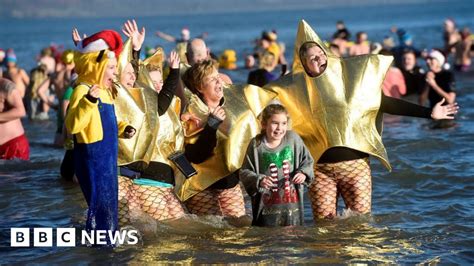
193	78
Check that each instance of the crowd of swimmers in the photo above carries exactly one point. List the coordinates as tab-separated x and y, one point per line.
170	135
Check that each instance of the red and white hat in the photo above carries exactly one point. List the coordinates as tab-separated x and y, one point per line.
435	54
102	40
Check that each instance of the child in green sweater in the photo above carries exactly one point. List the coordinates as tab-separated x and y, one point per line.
276	167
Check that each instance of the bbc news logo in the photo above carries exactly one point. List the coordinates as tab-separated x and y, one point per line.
66	237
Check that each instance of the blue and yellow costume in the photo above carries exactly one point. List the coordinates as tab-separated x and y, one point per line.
95	128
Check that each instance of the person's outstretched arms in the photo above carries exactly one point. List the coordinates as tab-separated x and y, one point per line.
444	111
165	36
396	106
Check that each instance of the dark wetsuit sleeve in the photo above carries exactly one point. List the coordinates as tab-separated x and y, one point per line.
168	91
202	149
396	106
135	61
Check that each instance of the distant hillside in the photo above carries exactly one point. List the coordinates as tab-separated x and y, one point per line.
120	8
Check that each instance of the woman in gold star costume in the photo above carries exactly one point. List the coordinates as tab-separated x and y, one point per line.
344	99
215	190
229	121
147	181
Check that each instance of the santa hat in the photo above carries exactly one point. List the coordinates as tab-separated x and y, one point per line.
435	54
106	39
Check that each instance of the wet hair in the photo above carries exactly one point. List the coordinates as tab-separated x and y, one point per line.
193	78
267	113
6	86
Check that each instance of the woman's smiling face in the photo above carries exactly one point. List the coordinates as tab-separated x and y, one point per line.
314	61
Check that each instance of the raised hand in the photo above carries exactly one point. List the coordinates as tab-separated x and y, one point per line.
174	60
76	37
219	112
130	29
444	111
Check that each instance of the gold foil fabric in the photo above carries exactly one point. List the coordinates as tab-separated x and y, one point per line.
233	136
156	137
338	108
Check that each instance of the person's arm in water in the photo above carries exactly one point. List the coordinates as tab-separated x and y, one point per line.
16	110
170	85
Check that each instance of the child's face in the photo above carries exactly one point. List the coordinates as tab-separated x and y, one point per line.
157	79
276	126
110	73
128	76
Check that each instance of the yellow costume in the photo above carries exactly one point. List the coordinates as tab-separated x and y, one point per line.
83	117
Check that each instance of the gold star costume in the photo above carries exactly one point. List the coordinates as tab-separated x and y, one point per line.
233	136
156	138
338	108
